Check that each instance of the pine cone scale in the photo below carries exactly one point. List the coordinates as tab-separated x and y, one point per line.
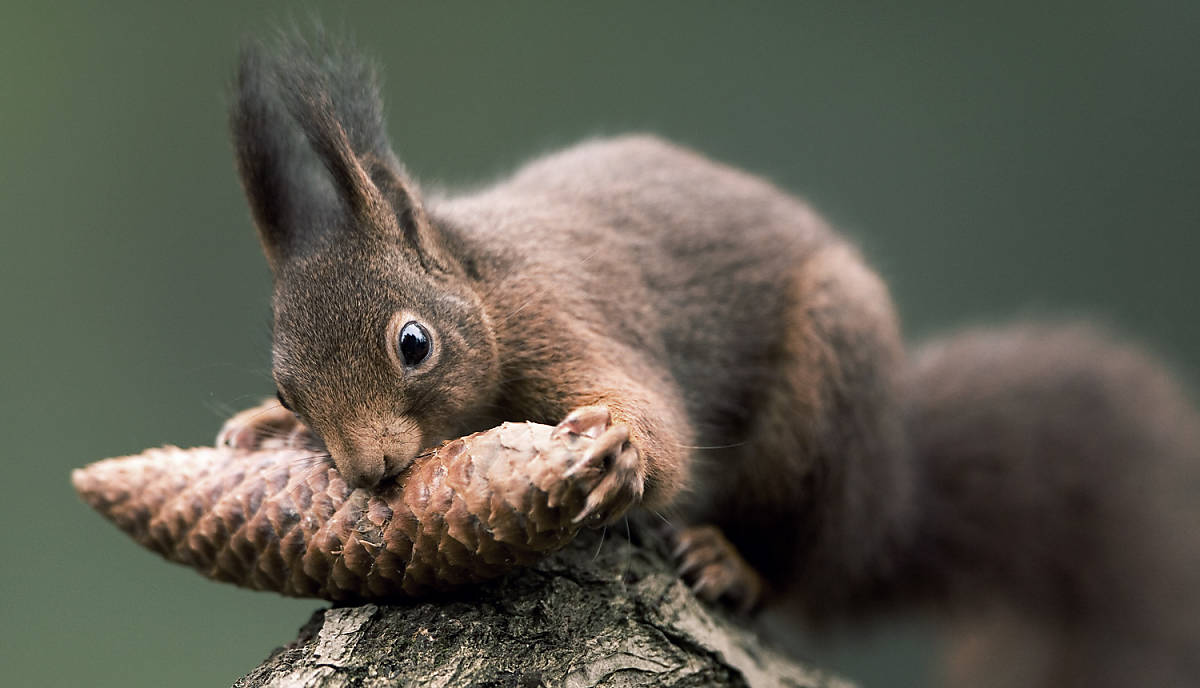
275	519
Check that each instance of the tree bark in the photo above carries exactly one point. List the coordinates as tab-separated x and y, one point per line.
594	614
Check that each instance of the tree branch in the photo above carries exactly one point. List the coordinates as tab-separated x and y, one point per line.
598	613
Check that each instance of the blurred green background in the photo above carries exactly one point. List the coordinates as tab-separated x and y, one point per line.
994	161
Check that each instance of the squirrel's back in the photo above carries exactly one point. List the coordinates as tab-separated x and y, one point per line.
686	259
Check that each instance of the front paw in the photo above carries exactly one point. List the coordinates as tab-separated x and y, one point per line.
715	570
269	421
610	471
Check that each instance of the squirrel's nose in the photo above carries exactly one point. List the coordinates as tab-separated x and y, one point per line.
365	456
361	470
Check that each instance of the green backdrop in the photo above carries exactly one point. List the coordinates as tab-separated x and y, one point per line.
998	161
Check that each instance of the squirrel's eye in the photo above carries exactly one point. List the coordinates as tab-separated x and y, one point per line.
414	344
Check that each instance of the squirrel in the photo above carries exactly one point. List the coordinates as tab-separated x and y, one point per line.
1034	483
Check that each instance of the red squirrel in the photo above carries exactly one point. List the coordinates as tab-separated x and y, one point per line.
1035	482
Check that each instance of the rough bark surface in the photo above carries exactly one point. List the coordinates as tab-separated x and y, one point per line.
599	613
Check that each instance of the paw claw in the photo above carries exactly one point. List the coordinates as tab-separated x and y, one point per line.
587	512
693	561
610	470
705	586
249	429
588	421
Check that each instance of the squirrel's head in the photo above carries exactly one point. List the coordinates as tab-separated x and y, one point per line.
380	340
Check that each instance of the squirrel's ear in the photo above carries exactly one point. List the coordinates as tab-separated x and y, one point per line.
287	191
313	151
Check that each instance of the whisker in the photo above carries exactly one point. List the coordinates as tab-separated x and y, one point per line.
218	408
589	256
513	314
659	514
504	279
310	461
628	550
714	446
603	533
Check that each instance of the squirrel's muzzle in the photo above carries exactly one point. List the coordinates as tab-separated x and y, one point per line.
366	455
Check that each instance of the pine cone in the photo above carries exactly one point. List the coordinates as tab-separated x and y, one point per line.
278	519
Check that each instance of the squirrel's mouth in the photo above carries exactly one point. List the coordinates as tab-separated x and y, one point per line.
395	465
399	455
370	453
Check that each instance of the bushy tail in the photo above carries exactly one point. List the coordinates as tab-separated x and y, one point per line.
1060	509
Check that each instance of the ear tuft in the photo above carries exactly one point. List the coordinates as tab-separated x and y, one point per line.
332	92
273	160
348	81
310	137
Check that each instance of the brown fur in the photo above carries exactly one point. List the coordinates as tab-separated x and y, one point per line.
1061	479
754	358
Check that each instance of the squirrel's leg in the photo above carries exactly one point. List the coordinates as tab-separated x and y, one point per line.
267	421
643	456
818	489
642	437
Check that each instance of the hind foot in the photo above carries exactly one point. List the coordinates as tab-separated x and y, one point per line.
715	570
